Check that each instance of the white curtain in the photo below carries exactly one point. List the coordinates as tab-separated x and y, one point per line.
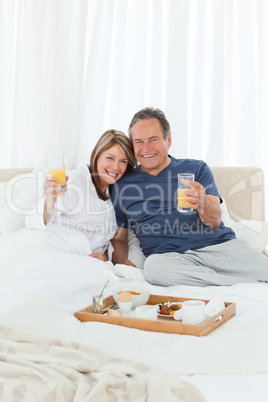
70	69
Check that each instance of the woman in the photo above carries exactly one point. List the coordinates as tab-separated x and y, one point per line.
53	261
85	209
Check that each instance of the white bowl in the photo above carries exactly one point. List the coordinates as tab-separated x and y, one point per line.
137	300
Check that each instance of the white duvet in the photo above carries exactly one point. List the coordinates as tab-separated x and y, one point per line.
49	264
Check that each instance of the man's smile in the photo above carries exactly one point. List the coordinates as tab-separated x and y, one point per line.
148	156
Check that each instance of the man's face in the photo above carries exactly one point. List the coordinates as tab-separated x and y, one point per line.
150	147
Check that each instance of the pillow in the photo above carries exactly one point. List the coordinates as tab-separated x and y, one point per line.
20	194
224	214
12	188
255	233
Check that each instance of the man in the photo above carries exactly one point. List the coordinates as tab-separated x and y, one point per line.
180	248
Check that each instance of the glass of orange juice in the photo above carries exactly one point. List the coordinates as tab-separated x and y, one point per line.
56	169
182	206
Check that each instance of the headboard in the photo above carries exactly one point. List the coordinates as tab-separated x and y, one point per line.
243	191
8	174
241	187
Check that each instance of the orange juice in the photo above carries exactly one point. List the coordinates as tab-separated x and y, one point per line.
59	175
181	198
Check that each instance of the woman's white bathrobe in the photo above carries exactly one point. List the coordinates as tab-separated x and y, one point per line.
78	212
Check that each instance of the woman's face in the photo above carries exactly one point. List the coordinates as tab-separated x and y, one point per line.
111	165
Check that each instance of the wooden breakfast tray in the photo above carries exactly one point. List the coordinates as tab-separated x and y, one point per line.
168	325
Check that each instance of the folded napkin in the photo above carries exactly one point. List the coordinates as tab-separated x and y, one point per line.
212	307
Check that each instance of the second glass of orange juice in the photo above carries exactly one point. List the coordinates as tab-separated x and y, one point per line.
57	170
182	202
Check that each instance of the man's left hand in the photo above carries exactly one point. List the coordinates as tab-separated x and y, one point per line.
195	195
207	206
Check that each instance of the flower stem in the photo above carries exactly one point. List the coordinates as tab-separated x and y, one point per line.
97	309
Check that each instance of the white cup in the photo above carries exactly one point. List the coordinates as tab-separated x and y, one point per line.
193	312
146	312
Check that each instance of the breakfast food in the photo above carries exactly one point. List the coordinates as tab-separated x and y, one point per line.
129	291
125	297
139	294
114	313
168	308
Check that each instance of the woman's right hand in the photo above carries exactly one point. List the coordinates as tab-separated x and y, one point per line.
51	190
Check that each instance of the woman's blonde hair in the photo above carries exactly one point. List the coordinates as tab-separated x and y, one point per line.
107	141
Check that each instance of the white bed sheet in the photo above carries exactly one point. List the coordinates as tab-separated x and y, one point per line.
64	282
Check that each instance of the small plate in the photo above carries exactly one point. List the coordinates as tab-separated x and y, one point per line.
166	304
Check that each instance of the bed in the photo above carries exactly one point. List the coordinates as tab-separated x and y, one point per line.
91	361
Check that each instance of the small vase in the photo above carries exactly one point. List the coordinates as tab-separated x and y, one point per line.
97	304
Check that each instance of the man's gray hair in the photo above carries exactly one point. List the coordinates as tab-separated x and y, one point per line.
151	113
